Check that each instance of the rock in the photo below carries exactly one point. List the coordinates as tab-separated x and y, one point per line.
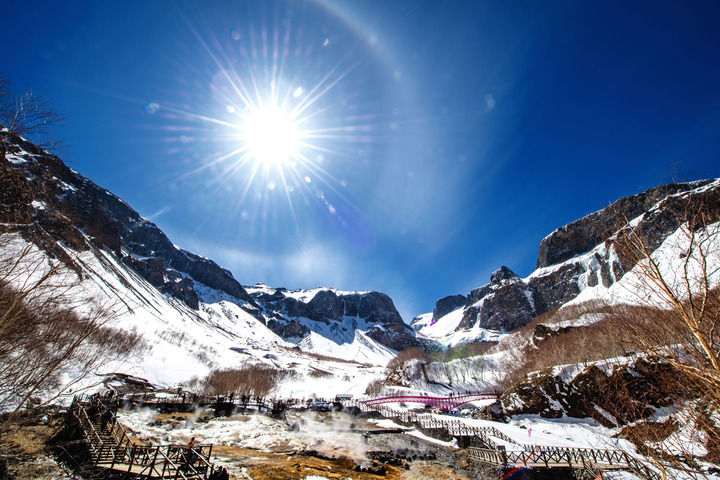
83	216
644	382
503	274
507	308
509	302
339	310
556	288
290	329
446	305
584	234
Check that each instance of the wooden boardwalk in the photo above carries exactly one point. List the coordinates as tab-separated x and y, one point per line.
500	450
111	448
443	403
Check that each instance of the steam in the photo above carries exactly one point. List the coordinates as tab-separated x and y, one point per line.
334	435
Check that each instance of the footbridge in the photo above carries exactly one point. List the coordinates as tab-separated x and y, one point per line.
110	448
504	452
443	403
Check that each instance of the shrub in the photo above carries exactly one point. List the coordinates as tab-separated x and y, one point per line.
250	380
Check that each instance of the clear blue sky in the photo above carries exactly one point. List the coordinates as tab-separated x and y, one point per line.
440	140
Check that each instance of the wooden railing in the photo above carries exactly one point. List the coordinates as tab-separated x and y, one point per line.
115	450
444	403
525	455
599	459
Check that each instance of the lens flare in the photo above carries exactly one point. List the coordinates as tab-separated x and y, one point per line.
272	136
273	120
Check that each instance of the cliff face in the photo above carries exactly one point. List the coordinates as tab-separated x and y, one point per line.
582	235
292	314
46	200
577	256
50	205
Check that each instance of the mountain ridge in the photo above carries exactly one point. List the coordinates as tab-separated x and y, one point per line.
572	258
54	207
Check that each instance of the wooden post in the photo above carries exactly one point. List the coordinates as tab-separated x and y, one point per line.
154	461
162	475
132	458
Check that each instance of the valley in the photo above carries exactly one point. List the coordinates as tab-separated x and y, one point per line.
599	362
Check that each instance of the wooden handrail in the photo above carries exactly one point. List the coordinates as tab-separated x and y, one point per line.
530	453
173	458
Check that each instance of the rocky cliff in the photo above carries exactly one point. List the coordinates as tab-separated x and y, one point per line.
53	206
579	255
47	201
293	314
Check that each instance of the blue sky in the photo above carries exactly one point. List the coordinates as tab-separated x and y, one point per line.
436	141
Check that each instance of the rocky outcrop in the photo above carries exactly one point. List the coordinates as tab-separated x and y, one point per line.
585	253
334	308
622	395
288	329
48	202
446	305
505	303
584	234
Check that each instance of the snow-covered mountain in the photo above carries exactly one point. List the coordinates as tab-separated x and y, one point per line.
577	262
193	314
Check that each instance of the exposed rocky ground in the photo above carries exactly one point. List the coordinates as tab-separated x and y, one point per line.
613	395
333	445
24	445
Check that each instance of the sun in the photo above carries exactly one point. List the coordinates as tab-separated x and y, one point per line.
271	136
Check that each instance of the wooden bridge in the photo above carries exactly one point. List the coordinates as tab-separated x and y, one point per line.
445	404
548	457
503	451
224	405
111	448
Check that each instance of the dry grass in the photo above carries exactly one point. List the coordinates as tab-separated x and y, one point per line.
317	373
23	442
584	344
278	466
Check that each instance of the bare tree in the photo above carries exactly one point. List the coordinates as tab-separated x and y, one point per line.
680	282
49	341
25	114
689	335
375	388
407	367
249	381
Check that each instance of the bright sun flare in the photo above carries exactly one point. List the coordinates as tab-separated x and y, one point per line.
271	136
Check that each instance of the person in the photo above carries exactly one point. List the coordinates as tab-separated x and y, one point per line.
106	418
191	454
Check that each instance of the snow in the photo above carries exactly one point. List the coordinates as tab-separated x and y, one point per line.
362	349
183	343
444	325
418	434
445	330
633	287
19	157
306	296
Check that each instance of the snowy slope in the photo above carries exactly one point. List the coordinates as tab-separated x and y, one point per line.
183	343
445	330
193	314
595	274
